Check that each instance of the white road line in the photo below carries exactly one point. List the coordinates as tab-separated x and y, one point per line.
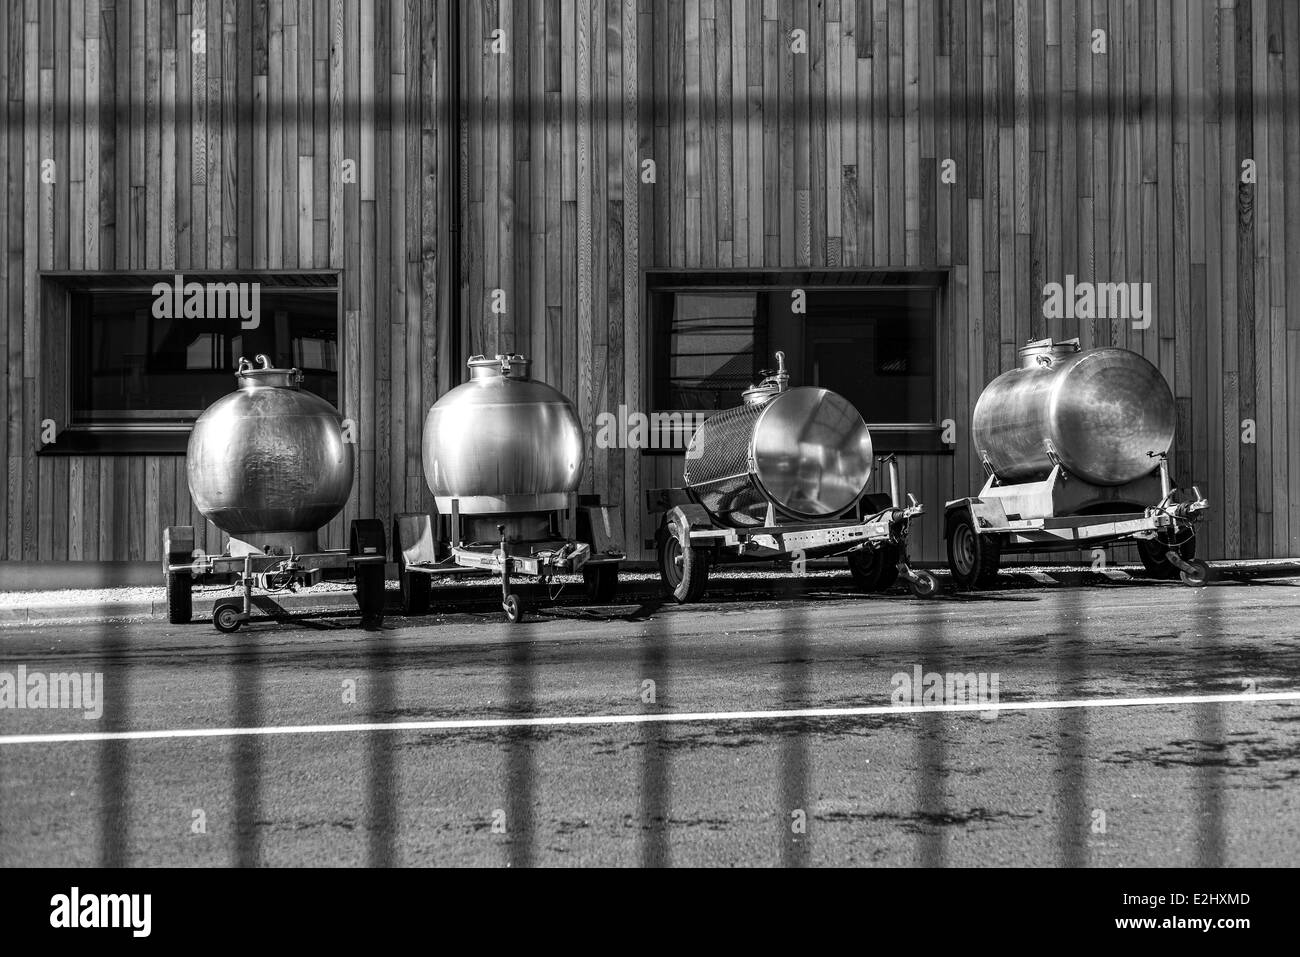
471	724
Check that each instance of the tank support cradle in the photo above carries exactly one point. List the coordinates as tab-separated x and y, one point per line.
587	543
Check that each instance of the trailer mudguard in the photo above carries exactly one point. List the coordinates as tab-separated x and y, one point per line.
601	527
414	539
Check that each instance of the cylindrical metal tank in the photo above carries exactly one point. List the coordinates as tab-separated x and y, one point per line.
805	450
1099	412
502	442
267	463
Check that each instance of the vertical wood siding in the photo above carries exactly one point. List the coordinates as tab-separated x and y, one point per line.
1122	165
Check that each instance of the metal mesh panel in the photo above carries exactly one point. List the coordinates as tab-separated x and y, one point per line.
722	447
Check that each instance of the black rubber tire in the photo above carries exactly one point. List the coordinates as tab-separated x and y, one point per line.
600	582
1152	552
370	593
685	572
889	554
875	569
225	616
514	609
180	598
864	566
973	559
416	591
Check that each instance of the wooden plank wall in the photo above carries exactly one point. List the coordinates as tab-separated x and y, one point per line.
1114	165
171	157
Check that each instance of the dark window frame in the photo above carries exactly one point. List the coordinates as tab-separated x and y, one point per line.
886	437
141	435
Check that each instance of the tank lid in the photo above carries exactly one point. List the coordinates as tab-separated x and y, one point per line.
1045	352
773	383
509	366
251	377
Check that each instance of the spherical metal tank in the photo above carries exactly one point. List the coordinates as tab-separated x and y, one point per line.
804	450
269	459
502	442
1099	412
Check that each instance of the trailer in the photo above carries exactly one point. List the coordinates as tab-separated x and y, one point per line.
585	537
1064	512
873	539
262	573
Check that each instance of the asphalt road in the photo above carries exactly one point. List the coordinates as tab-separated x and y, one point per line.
1139	784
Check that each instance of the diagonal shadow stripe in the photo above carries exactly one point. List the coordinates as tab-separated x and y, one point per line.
1208	725
1071	649
381	830
114	762
247	712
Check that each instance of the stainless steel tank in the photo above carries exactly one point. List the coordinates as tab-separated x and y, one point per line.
267	463
806	451
1099	412
502	442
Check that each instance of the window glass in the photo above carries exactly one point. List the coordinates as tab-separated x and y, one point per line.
876	349
132	365
875	346
708	346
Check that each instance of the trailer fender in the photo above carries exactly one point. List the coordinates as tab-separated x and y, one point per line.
413	540
686	517
986	513
601	527
178	546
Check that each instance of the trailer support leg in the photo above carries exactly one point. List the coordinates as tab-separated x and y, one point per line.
511	603
921	583
248	587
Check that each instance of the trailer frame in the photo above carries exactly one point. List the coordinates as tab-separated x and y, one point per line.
1063	512
874	540
271	571
422	555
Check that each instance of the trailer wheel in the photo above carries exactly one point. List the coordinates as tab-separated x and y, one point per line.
685	570
367	539
180	600
601	583
1198	576
923	585
874	569
1153	551
370	593
973	558
416	591
227	615
514	609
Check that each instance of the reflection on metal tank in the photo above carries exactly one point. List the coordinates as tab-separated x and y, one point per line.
805	450
267	463
502	442
1099	412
